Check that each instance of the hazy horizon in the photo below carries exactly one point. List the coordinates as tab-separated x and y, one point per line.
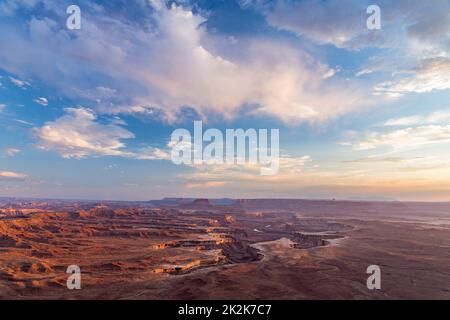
362	199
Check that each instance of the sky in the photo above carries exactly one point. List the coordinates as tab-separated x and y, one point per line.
88	113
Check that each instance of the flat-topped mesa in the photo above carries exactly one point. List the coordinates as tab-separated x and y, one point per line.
200	244
10	212
191	266
307	241
19	212
197	204
201	202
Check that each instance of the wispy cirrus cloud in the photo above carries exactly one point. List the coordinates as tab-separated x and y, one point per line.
23	122
433	74
11	175
433	118
407	138
374	159
12	151
206	185
224	174
19	83
10	7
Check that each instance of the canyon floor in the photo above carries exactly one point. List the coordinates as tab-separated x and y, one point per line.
251	249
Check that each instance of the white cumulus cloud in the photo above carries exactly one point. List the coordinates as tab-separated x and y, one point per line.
42	101
78	134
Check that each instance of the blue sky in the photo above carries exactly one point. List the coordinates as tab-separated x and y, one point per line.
88	113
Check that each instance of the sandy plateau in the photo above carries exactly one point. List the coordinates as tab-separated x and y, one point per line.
247	249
